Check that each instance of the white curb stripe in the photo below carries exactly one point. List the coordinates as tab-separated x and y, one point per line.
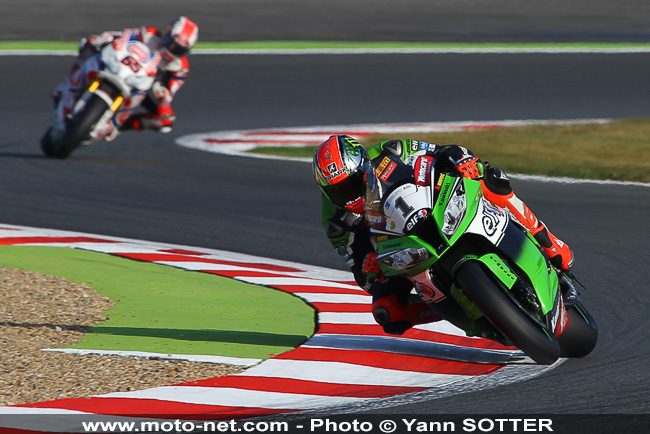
346	318
296	281
228	396
346	373
443	327
313	297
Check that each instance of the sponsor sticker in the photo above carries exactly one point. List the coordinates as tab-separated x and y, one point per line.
387	171
415	218
334	171
422	170
380	168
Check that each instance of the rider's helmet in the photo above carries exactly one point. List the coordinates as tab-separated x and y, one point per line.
180	36
340	168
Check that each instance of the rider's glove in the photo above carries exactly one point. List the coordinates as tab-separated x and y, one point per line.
465	162
471	168
371	268
97	42
92	45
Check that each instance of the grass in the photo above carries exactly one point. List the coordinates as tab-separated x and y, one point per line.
617	150
164	309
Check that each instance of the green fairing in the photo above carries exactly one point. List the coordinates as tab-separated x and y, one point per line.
534	266
446	183
472	192
407	150
401	243
528	257
499	269
543	278
374	151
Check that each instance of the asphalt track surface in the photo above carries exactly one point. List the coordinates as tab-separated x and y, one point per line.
144	186
364	20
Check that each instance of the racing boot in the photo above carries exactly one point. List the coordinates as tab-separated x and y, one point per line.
396	317
112	134
135	122
558	252
144	122
109	131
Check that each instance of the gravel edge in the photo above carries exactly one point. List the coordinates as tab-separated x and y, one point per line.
40	311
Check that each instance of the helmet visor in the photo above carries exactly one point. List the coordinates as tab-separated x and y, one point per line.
176	49
172	45
348	191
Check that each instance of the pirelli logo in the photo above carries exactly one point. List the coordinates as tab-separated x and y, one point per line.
382	166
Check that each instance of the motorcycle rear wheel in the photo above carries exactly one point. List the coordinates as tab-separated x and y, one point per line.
504	315
78	129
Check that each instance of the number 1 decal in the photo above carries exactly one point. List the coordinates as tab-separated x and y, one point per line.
401	205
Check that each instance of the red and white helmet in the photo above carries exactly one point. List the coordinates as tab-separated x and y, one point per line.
340	168
180	36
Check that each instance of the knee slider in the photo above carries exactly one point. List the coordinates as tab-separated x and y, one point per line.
386	309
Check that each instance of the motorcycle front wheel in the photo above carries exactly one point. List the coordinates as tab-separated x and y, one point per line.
472	279
78	129
46	144
581	335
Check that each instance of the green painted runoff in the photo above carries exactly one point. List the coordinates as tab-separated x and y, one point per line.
164	309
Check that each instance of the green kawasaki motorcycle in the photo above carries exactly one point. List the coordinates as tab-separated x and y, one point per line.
472	262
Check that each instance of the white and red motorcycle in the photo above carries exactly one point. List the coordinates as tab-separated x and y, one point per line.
104	92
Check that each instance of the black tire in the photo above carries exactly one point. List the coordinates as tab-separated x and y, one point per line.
46	144
79	127
504	315
581	336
